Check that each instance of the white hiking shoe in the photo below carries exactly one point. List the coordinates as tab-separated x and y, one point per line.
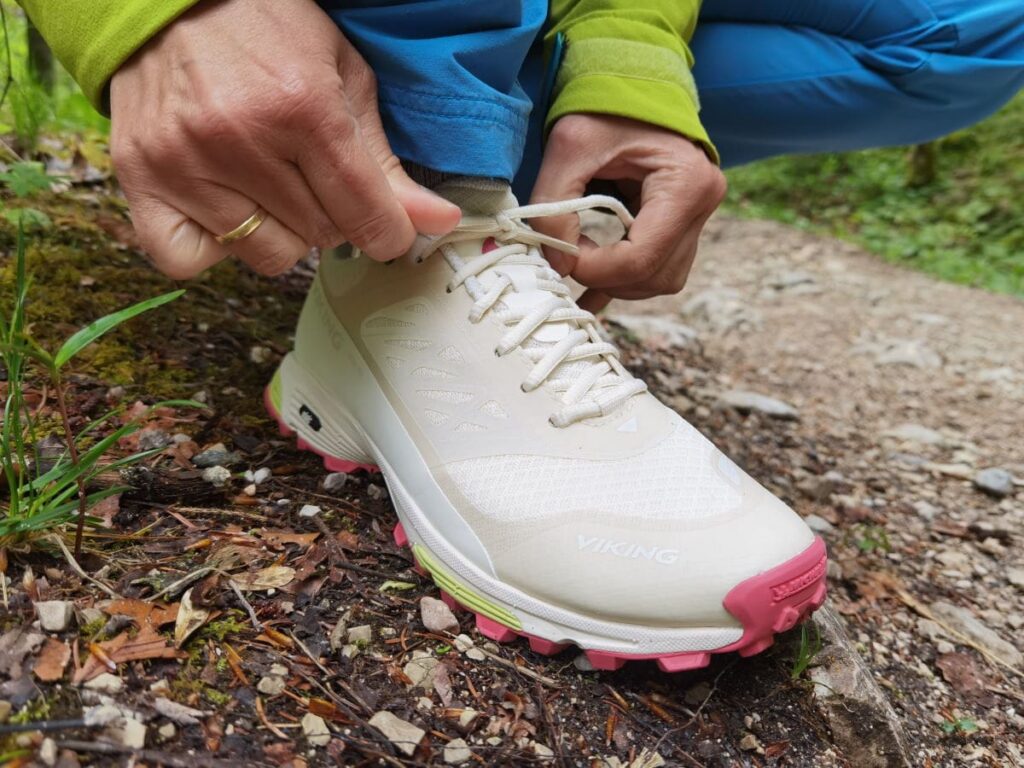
535	478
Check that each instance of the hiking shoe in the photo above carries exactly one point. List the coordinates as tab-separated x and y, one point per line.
536	480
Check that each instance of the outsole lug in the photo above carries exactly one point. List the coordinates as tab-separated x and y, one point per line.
772	602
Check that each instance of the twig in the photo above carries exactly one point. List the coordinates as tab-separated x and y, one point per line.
184	581
45	726
248	606
148	755
556	735
524	671
78	569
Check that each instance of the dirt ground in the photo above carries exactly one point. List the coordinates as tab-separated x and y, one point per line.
894	392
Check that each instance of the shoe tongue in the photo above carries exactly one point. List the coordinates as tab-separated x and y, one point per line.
474	194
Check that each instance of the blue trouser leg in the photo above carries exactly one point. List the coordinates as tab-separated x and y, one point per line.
787	76
798	76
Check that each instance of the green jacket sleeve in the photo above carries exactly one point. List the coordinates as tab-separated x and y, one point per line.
628	59
92	38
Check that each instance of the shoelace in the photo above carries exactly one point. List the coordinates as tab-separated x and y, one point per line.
604	385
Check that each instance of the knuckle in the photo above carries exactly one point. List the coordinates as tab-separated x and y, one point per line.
377	235
275	260
568	133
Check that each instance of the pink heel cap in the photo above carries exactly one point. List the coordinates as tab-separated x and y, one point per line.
331	463
771	602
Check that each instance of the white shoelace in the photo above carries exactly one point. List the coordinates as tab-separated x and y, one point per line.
594	383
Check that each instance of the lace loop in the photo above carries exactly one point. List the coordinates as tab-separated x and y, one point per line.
578	365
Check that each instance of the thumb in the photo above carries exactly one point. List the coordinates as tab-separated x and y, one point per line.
430	213
560	178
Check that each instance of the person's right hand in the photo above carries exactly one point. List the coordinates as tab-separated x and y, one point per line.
241	104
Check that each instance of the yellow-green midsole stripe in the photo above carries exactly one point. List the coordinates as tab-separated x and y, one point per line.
464	594
275	390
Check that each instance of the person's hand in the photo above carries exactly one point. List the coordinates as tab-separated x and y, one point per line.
241	104
666	180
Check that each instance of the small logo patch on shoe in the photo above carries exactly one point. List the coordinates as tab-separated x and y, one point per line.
310	418
626	549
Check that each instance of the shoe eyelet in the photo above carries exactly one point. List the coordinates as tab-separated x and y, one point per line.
523	389
447	289
497	353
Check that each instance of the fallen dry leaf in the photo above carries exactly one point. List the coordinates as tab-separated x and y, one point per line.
190	618
147	644
271	577
141	612
52	660
280	538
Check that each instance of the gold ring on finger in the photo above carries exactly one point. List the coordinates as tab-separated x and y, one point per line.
244	229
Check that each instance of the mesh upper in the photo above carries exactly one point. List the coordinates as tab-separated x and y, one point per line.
675	479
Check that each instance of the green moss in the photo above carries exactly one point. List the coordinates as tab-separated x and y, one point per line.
230	624
92	629
219	698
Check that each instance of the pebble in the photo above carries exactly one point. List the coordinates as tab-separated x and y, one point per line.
48	752
925	510
258	476
543	751
910	353
582	663
217	475
749	743
965	622
376	492
437	616
316	730
55	615
105	683
456	752
914	433
350	651
952	558
216	455
467	716
335	481
151	439
746	402
819	524
271	685
420	670
696	694
657	331
424	704
994	481
405	736
133	734
250	489
260	355
1016	577
361	635
475	654
463	643
309	510
167	731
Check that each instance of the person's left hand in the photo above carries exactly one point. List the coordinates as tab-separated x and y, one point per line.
668	182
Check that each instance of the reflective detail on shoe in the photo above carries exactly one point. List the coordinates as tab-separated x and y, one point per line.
274	391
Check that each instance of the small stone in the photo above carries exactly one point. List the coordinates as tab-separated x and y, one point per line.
657	331
1015	576
260	355
965	622
133	734
161	686
995	482
420	670
914	433
819	524
361	635
151	439
48	752
746	402
424	704
105	683
55	615
350	651
467	716
925	510
217	475
543	751
944	646
456	752
216	455
278	669
582	663
911	353
437	616
271	685
749	743
376	492
463	643
955	560
335	481
405	736
309	510
696	694
475	654
316	730
167	731
258	476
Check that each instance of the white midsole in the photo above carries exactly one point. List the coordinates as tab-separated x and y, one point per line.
342	435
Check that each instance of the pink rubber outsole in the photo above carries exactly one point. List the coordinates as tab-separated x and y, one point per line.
772	602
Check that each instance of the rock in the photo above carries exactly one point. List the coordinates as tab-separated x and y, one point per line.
696	694
819	524
864	725
315	729
105	683
1016	577
475	654
217	475
216	455
420	669
437	616
955	560
48	752
376	492
912	353
166	732
925	510
256	477
463	643
456	752
179	713
350	651
965	623
260	355
309	510
657	331
543	751
467	716
55	615
914	433
250	489
582	663
995	482
335	482
133	734
746	402
271	685
749	743
405	736
361	635
151	439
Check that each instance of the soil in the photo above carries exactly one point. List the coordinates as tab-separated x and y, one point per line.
859	349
